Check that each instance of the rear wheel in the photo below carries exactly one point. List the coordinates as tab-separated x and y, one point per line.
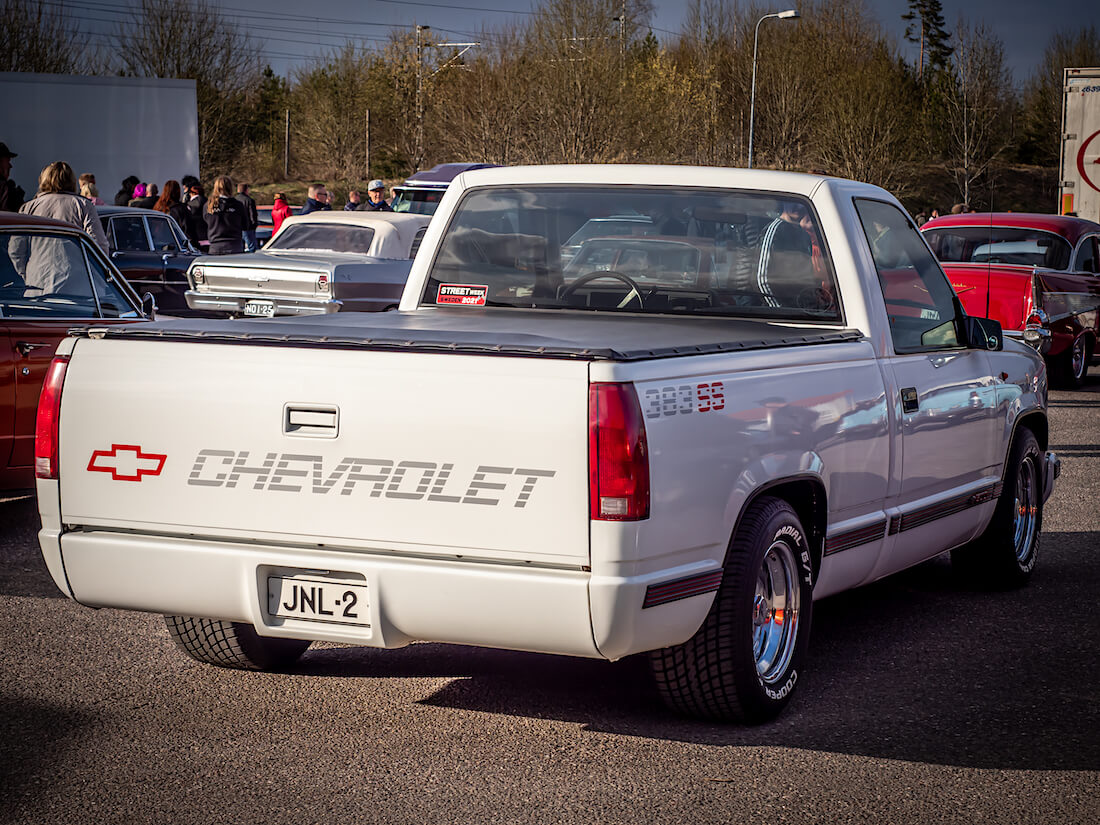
1006	553
743	664
1073	366
232	644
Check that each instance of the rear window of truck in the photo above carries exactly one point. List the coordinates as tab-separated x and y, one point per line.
636	249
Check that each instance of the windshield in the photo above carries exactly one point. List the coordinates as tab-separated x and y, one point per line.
653	250
999	245
48	276
328	237
417	201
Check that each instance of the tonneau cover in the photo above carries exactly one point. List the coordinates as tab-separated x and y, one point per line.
559	334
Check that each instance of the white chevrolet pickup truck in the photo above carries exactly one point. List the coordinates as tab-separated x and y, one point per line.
763	391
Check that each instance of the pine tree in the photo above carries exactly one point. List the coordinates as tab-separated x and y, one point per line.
926	28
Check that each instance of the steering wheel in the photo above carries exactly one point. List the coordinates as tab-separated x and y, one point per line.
596	274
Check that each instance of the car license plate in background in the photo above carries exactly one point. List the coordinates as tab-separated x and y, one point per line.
264	309
318	600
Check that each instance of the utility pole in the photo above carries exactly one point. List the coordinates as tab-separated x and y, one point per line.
286	147
366	143
419	98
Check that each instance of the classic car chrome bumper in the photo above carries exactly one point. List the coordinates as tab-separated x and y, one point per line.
1034	336
284	305
1052	468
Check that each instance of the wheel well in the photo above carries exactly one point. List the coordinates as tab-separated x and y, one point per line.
1037	423
806	496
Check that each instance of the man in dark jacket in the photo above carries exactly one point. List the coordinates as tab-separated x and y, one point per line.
11	195
252	219
196	224
317	200
376	198
126	193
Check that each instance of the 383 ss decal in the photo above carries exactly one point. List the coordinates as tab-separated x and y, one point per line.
685	399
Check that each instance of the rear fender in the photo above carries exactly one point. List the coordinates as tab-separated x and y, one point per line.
798	479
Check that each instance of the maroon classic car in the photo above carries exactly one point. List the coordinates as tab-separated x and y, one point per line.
53	277
1039	275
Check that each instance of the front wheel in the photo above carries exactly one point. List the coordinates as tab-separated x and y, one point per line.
745	661
1006	553
232	644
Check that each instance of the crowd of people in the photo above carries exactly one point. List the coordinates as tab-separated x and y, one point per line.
222	224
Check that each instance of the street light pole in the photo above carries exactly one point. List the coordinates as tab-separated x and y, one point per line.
779	15
419	98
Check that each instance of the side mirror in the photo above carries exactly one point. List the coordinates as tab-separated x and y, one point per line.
149	306
983	333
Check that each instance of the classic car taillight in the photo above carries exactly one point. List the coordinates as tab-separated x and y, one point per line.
197	274
49	414
618	456
322	283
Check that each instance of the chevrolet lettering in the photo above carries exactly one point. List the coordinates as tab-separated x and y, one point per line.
619	410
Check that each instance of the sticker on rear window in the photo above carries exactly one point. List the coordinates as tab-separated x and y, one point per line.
471	295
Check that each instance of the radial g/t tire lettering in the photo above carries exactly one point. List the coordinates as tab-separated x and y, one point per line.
746	660
232	644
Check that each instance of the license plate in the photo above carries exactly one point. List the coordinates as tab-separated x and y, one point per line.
318	600
264	309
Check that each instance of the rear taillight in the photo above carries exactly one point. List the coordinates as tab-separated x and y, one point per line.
322	283
49	413
618	458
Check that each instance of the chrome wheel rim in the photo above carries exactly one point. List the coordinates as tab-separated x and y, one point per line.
775	612
1026	521
1078	362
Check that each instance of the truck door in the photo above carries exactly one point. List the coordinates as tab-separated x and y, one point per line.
7	395
133	254
944	399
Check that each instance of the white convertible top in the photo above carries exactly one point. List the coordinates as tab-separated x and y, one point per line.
394	232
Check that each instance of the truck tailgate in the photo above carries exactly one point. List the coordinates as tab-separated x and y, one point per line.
424	454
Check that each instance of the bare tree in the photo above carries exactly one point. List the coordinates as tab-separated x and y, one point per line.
978	105
38	36
191	39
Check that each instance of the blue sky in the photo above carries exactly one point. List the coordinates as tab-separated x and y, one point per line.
292	30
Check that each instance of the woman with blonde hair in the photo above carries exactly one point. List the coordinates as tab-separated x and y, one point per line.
88	190
57	198
225	219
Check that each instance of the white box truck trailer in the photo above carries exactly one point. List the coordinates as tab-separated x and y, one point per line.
112	127
1079	170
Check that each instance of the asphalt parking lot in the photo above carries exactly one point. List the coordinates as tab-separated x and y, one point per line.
926	703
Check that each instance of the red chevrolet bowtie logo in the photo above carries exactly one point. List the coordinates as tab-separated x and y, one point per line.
126	462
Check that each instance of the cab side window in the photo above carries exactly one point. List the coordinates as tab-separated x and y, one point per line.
129	234
919	300
1088	256
163	238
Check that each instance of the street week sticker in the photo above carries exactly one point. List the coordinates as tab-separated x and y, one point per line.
471	295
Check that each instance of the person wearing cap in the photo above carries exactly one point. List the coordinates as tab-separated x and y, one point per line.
376	198
279	212
11	195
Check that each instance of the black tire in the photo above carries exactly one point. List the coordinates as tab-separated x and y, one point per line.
1072	367
724	672
1006	552
232	644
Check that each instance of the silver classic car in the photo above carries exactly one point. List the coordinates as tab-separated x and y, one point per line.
317	263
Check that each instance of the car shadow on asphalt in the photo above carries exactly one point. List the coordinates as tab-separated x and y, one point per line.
913	668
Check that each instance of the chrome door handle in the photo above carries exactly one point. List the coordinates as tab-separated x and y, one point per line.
27	347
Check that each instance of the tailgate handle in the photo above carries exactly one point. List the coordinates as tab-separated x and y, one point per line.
318	420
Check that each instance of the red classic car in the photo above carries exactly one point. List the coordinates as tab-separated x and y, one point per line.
53	277
1039	275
